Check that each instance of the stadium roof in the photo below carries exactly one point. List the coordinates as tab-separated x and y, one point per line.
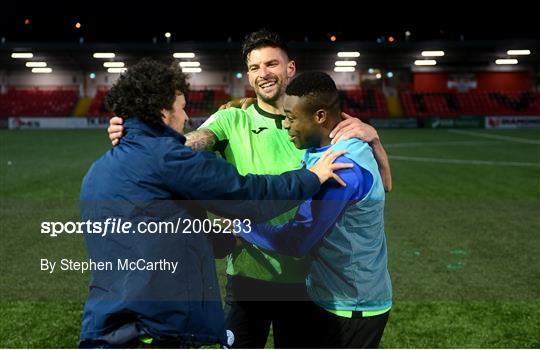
470	38
217	21
224	56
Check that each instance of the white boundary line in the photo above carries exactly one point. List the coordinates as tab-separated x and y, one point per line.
464	161
496	137
442	143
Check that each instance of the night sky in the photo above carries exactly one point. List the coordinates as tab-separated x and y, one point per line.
225	22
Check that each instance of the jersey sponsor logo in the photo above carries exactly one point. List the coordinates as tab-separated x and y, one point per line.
259	131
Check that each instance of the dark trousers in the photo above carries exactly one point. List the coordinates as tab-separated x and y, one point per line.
335	331
253	305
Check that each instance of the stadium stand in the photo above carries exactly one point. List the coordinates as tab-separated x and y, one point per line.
200	102
97	108
364	102
204	102
358	102
452	104
56	101
38	101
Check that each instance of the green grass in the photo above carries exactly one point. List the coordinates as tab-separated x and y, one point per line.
463	237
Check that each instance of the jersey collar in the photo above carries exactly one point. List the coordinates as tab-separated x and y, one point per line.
278	118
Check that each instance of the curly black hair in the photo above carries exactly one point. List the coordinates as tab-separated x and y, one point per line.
145	89
319	88
262	38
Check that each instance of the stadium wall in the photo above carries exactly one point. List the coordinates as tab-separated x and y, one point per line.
504	81
485	80
29	79
235	85
88	87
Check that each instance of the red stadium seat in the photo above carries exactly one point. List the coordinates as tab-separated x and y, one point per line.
452	104
37	101
200	102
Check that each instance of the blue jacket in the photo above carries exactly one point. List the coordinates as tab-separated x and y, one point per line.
152	176
343	229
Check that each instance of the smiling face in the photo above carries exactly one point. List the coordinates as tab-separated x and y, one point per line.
302	125
269	71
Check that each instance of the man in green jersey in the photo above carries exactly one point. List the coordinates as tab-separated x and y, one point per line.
265	288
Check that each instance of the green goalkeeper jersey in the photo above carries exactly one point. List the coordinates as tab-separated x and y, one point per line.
255	142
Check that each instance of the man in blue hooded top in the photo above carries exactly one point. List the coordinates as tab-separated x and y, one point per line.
152	177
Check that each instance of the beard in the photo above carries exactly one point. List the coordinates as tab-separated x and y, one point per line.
272	96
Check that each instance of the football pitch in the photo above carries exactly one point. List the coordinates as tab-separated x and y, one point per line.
462	223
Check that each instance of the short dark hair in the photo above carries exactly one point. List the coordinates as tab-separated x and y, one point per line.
262	38
319	89
145	89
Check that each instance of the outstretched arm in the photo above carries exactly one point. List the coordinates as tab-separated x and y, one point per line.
217	186
201	139
313	219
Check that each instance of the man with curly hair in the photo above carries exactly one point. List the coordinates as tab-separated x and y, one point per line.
151	176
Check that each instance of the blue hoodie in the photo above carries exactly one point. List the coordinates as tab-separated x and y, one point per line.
152	176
